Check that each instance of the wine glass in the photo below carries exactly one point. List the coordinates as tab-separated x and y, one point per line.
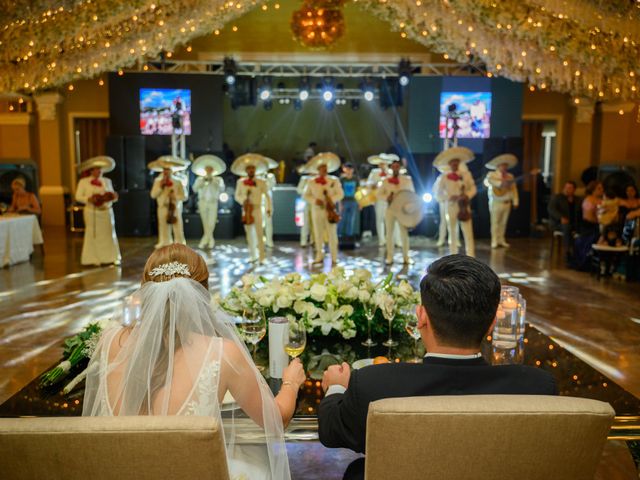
411	326
390	342
369	313
253	327
296	339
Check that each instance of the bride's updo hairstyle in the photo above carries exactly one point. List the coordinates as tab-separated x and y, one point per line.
180	254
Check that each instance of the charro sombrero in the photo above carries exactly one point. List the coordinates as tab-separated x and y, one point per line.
240	164
331	160
175	164
407	208
385	158
271	163
508	158
461	153
104	163
202	162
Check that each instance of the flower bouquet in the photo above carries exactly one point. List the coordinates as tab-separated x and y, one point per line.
328	303
78	350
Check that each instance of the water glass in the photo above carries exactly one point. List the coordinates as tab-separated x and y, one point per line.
505	333
253	327
522	320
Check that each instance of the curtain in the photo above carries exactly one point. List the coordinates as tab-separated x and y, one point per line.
93	136
532	149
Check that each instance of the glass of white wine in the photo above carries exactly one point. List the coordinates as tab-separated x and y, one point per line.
411	326
253	327
369	313
296	339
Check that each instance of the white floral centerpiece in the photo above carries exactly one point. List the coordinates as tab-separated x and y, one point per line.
325	302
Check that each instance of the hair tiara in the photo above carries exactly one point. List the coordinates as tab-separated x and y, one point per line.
170	269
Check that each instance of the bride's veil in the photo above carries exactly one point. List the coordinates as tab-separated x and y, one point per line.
170	362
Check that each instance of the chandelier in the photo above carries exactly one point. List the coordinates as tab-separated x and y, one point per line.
319	23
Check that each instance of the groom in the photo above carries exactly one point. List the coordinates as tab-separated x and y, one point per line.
460	297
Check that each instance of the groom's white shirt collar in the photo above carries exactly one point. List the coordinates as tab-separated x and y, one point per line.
340	389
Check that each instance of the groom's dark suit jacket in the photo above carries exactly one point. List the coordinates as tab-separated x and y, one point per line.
342	418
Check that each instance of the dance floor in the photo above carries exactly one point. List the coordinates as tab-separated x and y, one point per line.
53	296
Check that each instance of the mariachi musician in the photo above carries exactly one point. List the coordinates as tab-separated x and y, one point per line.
100	245
392	185
322	193
267	219
209	185
457	188
169	193
503	195
251	192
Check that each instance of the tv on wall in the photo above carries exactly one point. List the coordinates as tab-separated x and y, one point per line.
165	111
468	113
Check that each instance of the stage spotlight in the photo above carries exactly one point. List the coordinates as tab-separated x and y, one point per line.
355	104
265	89
404	72
368	95
427	197
303	94
327	95
224	197
230	70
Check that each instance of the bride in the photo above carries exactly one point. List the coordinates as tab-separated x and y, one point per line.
181	357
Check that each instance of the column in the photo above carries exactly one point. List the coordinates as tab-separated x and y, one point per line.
50	161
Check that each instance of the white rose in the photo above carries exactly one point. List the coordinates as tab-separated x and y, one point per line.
248	280
351	294
301	307
318	292
364	295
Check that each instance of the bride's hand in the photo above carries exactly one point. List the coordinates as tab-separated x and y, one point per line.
294	373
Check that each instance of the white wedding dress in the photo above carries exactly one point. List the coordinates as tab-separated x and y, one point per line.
199	345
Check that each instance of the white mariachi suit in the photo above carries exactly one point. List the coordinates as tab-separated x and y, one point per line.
375	179
256	192
306	231
208	189
388	187
169	233
100	242
450	186
315	190
500	205
270	181
442	205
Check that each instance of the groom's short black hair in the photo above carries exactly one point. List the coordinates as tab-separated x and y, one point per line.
461	296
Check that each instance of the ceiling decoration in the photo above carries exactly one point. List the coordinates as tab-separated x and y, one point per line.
588	48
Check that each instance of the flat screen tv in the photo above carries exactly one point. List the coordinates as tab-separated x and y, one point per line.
165	111
468	113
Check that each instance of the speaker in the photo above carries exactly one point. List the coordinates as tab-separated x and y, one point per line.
134	213
129	153
192	225
135	165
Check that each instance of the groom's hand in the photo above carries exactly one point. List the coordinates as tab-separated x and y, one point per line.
336	375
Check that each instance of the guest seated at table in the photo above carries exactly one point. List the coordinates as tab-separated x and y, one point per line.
590	204
564	212
630	205
181	357
23	201
460	297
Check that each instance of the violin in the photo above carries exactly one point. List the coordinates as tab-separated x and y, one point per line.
464	212
332	214
247	213
171	211
99	200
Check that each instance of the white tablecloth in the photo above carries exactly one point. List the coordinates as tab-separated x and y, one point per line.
18	235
